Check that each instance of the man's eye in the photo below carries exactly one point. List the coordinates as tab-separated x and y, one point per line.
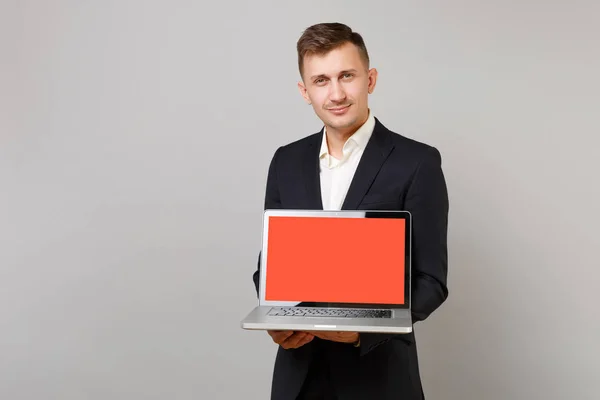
321	80
348	75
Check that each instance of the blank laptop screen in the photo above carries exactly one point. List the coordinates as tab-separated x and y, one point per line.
340	260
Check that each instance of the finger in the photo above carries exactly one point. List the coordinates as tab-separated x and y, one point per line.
293	341
281	333
306	340
280	336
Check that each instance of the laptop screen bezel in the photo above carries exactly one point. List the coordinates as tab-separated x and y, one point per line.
405	215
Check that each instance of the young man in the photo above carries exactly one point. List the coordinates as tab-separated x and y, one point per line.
356	162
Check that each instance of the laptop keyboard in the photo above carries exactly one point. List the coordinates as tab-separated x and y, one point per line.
328	312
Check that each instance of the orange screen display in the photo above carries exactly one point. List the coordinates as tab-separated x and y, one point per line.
338	260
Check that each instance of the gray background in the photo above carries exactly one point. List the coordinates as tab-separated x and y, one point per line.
135	140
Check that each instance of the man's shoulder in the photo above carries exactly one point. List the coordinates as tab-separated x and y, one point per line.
302	143
296	149
407	146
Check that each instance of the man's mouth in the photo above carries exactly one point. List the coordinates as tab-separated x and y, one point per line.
339	110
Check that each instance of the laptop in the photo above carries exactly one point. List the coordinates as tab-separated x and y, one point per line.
334	271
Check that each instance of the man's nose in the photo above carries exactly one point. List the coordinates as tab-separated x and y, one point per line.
336	93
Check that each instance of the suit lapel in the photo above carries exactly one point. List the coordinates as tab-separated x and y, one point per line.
377	150
311	174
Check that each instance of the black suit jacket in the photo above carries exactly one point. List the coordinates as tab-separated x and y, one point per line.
394	172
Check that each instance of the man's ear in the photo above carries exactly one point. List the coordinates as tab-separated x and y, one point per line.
303	92
372	79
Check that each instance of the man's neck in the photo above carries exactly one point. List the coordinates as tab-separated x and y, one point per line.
336	138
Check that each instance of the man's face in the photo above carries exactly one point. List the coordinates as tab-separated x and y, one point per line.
337	85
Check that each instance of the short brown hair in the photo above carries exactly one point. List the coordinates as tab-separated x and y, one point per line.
321	38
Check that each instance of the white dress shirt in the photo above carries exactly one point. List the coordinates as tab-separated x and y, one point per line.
336	175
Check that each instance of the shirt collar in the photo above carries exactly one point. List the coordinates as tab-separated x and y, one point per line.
360	138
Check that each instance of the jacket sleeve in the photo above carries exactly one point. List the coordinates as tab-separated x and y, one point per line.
272	201
427	201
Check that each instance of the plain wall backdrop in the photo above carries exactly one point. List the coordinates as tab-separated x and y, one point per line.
135	138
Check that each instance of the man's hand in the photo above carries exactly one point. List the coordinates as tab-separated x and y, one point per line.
342	337
291	339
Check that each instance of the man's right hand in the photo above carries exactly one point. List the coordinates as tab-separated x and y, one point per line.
290	339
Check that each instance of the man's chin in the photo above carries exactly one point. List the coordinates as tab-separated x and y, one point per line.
342	123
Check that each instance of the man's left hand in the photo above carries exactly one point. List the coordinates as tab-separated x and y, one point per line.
342	337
